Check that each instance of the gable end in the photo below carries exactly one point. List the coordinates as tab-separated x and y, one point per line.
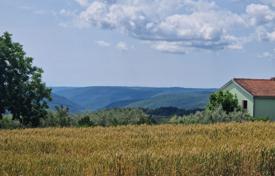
238	85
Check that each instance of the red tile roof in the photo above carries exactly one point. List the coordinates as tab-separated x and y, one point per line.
258	87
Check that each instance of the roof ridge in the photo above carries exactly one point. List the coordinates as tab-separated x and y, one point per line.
256	79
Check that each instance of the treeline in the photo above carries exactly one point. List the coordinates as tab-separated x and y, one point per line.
62	117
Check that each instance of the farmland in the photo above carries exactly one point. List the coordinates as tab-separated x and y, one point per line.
220	149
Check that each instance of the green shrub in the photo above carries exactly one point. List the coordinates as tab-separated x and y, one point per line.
8	123
58	118
85	121
226	100
214	116
114	117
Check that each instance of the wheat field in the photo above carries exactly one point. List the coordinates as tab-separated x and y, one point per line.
221	149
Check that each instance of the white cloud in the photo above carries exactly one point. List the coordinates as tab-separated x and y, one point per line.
101	14
270	36
180	25
200	27
266	31
260	14
264	35
102	43
122	46
262	17
199	24
170	47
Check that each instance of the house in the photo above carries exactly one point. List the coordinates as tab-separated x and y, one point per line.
256	96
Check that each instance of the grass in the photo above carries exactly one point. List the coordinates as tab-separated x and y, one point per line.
221	149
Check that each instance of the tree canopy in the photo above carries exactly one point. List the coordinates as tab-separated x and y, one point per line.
22	91
225	99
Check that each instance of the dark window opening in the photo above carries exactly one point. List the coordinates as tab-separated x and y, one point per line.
245	104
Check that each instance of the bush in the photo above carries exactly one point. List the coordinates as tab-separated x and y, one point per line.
226	100
85	121
114	117
163	114
8	123
214	116
58	118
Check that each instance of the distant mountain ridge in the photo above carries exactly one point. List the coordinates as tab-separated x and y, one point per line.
95	98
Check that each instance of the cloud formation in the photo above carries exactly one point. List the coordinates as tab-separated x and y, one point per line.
102	43
170	47
180	25
262	17
260	14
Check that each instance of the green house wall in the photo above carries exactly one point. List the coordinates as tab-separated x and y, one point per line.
257	106
241	94
265	107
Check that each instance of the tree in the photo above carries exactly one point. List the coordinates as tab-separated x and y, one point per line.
226	100
23	93
62	113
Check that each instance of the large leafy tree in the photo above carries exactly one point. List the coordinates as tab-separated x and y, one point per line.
224	99
22	92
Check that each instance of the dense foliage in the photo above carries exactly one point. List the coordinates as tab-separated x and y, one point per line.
22	92
163	114
58	118
61	117
214	116
114	117
225	99
193	150
8	123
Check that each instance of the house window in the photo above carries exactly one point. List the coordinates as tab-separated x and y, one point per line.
245	104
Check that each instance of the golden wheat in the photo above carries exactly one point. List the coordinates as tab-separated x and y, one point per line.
221	149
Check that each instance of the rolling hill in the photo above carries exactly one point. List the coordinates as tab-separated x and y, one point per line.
94	98
59	100
179	100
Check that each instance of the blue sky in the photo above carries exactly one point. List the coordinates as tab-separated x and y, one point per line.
156	43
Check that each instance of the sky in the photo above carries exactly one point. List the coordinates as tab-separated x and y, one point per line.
152	43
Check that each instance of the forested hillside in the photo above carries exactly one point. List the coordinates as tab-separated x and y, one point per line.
94	98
